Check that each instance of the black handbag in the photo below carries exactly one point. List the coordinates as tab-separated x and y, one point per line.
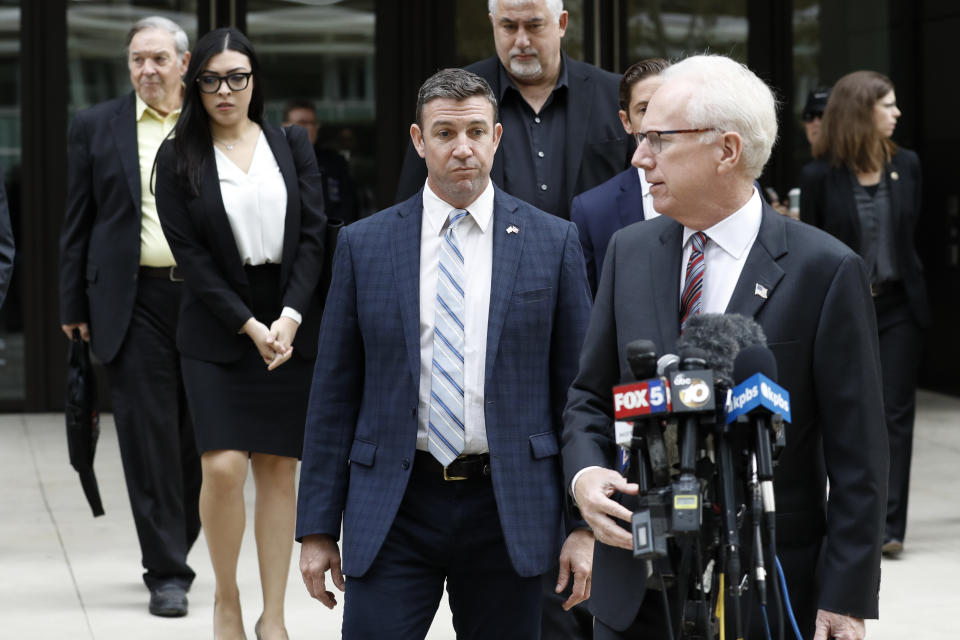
83	418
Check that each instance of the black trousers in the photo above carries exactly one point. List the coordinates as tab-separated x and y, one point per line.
901	340
444	532
557	624
157	445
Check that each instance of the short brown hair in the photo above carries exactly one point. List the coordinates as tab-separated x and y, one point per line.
848	135
637	72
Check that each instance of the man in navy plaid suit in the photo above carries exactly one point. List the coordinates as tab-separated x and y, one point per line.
479	508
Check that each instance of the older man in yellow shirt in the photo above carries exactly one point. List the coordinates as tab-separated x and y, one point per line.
120	290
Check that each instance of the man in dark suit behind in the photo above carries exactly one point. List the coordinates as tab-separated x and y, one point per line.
450	338
707	133
624	198
559	114
119	287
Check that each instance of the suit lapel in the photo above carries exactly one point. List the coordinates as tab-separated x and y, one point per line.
665	276
895	189
630	198
761	273
125	137
281	149
406	267
506	257
579	107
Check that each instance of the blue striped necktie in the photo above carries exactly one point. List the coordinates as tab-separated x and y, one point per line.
446	436
690	299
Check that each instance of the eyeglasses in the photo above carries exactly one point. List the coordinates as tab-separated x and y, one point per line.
810	117
655	141
210	83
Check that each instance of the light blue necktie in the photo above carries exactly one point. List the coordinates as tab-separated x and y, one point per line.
446	437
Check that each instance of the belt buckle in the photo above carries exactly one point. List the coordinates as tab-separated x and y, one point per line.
874	289
173	277
450	478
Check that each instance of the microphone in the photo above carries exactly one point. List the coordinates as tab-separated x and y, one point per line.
693	402
637	426
633	405
765	404
758	400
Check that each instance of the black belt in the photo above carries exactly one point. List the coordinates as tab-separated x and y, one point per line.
174	274
475	467
885	288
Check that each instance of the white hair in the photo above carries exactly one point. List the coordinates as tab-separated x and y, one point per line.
555	7
729	96
180	41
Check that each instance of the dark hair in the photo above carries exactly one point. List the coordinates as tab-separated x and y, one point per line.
192	140
637	72
453	84
297	103
848	135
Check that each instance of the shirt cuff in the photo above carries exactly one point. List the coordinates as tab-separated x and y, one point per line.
573	483
293	314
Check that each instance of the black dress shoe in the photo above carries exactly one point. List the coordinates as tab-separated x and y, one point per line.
168	601
892	547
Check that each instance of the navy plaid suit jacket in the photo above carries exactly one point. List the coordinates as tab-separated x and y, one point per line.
361	427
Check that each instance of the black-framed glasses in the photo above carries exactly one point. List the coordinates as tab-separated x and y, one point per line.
210	83
655	141
810	116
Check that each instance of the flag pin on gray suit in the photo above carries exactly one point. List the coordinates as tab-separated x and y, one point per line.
760	290
512	229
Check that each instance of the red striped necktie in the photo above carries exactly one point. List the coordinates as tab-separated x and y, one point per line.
693	284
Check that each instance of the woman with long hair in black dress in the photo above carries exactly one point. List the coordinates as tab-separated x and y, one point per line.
240	203
865	190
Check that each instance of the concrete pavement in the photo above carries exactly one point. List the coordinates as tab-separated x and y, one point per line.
67	575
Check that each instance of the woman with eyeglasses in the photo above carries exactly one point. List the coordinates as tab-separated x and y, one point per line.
240	203
865	190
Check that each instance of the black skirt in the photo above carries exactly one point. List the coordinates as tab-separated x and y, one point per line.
242	406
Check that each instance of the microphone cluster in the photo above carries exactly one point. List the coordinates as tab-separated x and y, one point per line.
721	400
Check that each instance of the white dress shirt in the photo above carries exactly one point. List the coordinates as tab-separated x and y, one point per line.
728	245
649	212
256	206
476	243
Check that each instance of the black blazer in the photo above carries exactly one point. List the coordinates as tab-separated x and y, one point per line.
819	321
216	300
597	147
827	201
100	237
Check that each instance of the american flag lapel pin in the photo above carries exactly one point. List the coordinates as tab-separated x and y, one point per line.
512	229
760	290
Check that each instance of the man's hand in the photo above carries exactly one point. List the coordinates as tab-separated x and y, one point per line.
576	557
84	330
592	492
836	625
318	554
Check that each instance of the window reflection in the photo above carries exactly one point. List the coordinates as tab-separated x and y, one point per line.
674	29
323	51
11	314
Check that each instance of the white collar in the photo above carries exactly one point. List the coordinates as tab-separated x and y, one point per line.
436	211
735	233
